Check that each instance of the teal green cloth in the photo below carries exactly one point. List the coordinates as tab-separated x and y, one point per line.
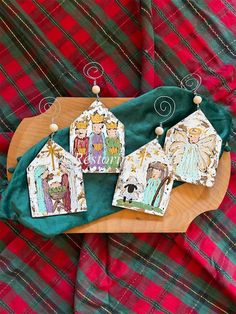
140	120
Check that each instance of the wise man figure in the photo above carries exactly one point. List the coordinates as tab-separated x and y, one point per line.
81	143
113	146
97	143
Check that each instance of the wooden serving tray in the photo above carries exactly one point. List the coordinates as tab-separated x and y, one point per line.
187	201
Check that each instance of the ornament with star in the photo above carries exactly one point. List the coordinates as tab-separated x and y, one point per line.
55	182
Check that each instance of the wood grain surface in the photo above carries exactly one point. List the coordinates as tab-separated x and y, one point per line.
187	201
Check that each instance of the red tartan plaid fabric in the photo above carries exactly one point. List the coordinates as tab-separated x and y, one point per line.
141	44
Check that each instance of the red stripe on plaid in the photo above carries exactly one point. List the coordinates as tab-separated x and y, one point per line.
81	36
140	307
135	37
201	48
92	272
68	23
7	236
68	48
222	95
128	24
101	278
180	255
8	93
173	304
111	10
5	142
229	20
11	66
224	14
31	10
58	256
206	245
54	34
28	6
167	5
64	289
24	82
173	40
169	302
18	305
44	267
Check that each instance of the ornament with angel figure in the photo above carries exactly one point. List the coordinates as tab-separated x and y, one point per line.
193	147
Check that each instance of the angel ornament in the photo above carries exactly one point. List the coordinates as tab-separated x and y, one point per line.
193	147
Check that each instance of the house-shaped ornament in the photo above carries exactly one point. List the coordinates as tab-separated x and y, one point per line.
55	182
145	181
97	140
193	147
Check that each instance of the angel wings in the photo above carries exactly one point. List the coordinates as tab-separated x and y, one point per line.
192	153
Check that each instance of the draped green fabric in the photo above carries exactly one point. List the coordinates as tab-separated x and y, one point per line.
140	120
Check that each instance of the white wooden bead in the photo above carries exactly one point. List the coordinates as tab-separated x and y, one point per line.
53	127
96	89
197	100
159	130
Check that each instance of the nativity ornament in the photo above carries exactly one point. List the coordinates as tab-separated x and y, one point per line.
97	145
55	182
97	138
146	180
